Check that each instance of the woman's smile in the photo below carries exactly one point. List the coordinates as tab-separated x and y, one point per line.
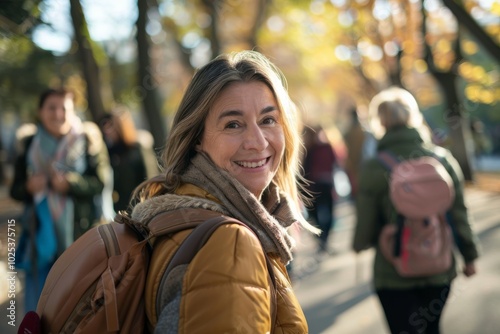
252	164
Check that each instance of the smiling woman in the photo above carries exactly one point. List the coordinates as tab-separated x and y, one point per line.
232	151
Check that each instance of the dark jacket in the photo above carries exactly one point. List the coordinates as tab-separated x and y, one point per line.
129	170
85	188
319	163
374	209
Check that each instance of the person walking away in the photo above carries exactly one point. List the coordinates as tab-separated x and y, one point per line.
61	166
410	304
361	146
319	164
232	151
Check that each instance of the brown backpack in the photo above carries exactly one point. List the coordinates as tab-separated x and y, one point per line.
98	282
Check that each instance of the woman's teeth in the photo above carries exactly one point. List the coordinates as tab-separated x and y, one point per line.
251	164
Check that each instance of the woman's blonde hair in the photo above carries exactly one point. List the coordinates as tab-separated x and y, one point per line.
394	107
188	125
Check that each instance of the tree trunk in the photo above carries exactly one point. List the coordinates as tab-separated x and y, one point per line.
260	17
471	25
147	82
213	7
89	64
458	126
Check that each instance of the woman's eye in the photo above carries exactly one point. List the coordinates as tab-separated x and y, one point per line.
232	125
269	120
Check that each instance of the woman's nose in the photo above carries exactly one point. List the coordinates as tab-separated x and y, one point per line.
255	139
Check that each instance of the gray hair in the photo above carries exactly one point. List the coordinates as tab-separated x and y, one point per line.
395	107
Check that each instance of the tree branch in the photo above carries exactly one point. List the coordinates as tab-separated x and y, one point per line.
466	20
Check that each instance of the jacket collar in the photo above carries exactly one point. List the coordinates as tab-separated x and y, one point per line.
188	189
399	135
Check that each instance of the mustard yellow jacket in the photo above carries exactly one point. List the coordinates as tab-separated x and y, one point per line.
225	288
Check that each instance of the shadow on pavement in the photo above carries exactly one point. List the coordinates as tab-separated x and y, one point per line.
323	314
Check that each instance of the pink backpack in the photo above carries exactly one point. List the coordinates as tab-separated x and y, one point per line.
422	191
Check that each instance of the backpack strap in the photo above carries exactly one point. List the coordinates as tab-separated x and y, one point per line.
400	223
196	240
388	159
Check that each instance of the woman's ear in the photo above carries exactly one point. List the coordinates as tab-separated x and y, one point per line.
197	147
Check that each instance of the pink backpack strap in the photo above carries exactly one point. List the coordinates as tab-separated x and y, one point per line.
388	159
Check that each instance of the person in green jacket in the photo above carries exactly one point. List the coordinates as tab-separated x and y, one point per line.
411	305
61	168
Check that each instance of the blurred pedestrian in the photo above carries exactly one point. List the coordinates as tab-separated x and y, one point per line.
319	163
481	140
410	304
128	156
60	169
361	146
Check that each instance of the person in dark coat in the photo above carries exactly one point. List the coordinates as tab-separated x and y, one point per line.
361	145
132	161
319	163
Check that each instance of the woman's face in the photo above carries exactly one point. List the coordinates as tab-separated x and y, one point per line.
244	135
55	114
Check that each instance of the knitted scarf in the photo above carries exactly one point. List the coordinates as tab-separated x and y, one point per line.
267	218
47	154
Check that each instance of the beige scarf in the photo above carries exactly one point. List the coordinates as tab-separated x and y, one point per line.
268	219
